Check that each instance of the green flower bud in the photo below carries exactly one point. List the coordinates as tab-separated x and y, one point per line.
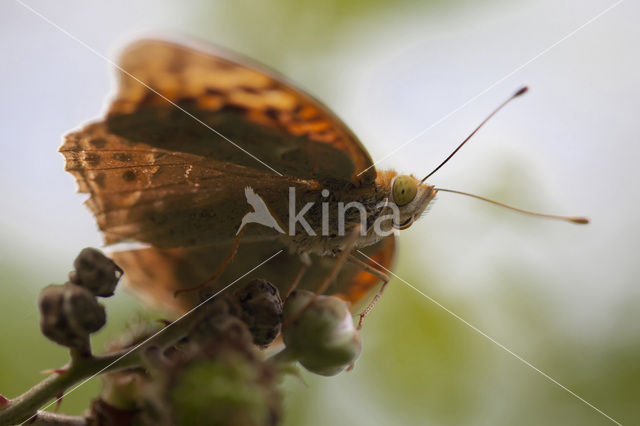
123	389
227	390
261	310
319	332
220	379
96	272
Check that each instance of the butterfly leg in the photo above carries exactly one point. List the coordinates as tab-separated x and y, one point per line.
227	260
335	270
341	259
378	274
298	278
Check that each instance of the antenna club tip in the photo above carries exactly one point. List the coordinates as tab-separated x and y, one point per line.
579	220
521	91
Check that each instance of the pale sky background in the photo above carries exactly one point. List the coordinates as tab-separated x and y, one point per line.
570	146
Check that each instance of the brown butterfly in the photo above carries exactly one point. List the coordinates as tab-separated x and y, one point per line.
159	175
191	137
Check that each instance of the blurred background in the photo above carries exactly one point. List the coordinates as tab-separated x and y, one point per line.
563	297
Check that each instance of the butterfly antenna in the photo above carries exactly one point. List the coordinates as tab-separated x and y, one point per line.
520	91
572	219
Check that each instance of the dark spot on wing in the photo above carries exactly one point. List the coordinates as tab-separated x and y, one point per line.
187	101
235	108
249	89
272	113
129	175
98	142
125	157
92	159
99	179
212	91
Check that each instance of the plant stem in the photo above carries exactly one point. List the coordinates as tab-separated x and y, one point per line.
84	366
44	418
24	406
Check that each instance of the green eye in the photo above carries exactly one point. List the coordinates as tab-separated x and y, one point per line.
404	190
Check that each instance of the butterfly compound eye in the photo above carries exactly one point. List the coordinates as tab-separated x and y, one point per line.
404	190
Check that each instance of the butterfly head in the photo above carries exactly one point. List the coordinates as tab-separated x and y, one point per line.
411	197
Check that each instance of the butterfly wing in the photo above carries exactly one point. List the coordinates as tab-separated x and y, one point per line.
164	197
187	131
157	273
158	169
252	107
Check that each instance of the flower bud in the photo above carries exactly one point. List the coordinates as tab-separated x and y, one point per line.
218	322
220	379
83	311
319	332
104	413
69	313
96	272
261	310
227	390
123	389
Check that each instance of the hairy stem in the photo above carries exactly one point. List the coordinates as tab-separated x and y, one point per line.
83	366
44	418
24	406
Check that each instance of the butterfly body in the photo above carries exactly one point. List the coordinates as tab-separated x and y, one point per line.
333	213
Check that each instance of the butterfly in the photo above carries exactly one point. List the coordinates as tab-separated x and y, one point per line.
197	140
157	173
